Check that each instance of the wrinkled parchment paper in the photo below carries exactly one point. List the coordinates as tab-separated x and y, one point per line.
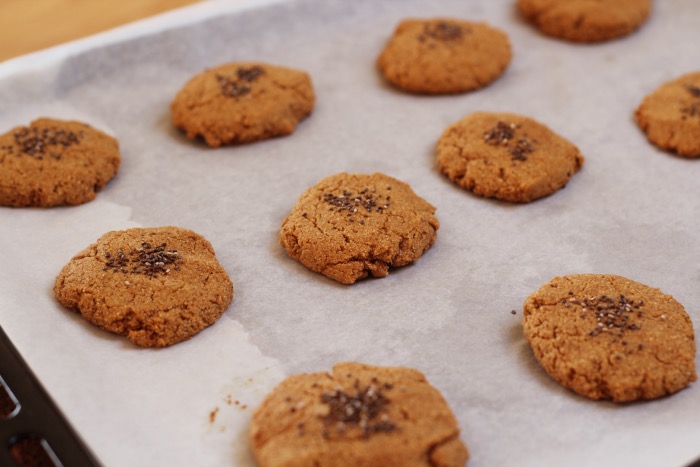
633	210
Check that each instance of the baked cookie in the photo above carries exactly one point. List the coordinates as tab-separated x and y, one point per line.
670	116
506	156
586	20
443	56
352	225
242	103
55	162
358	415
607	337
156	286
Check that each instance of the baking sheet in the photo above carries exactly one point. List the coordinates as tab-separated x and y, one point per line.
633	210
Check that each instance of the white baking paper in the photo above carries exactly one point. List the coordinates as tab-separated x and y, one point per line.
633	210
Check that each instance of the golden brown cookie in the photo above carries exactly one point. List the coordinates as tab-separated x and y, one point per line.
156	286
586	20
506	156
670	116
55	162
443	55
352	225
608	337
358	415
242	103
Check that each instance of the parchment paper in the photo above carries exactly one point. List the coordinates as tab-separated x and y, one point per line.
633	210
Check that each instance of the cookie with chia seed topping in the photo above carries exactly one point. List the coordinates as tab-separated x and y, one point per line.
155	286
670	116
506	156
586	20
357	415
608	337
243	102
55	162
444	56
351	225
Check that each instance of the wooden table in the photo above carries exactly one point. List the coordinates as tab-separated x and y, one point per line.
30	25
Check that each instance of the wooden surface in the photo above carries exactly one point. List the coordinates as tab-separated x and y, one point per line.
30	25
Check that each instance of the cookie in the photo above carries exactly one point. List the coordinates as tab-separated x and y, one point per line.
155	286
506	156
444	56
55	162
358	415
670	116
243	102
351	225
586	20
608	337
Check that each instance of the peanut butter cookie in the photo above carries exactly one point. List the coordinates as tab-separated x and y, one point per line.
55	162
506	156
358	415
670	116
443	56
586	20
608	337
352	225
155	286
242	103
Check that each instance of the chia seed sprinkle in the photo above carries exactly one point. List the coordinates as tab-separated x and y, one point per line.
360	409
503	134
351	203
240	85
37	142
693	90
442	31
250	74
612	315
148	260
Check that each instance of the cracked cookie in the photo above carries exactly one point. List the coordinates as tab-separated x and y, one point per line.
242	102
506	156
608	337
351	225
586	20
155	286
55	162
444	56
357	415
670	116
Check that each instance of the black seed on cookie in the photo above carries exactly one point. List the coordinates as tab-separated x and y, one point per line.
443	31
693	90
250	74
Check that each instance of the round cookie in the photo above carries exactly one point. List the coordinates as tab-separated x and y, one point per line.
243	102
155	286
55	162
352	225
443	56
506	156
358	415
586	20
670	116
608	337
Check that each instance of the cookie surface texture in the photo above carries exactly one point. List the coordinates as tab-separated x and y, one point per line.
444	56
155	286
608	337
358	415
351	225
54	163
506	156
586	20
243	102
670	116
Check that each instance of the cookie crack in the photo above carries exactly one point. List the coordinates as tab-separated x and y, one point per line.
437	444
